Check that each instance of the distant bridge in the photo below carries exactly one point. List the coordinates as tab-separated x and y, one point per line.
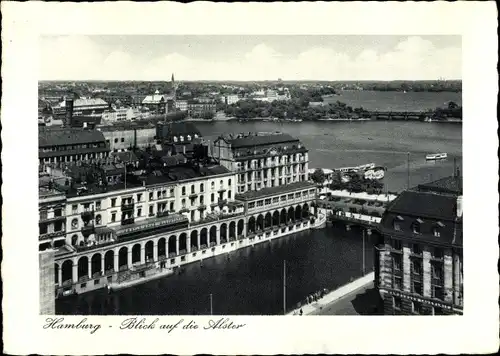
354	219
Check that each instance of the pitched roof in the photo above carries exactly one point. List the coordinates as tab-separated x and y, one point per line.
156	98
67	136
85	102
424	204
451	185
254	194
261	140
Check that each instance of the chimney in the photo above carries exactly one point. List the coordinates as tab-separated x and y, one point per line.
459	206
69	112
184	149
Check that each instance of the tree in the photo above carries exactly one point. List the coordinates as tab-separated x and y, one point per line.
318	176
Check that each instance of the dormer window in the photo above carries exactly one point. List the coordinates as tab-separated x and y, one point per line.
175	138
436	230
415	227
396	224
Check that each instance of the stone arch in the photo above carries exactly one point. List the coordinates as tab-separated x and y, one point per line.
83	267
149	251
305	211
241	226
260	222
203	238
298	212
276	218
136	253
251	225
213	234
109	260
283	216
74	240
162	248
123	257
194	239
232	230
268	220
223	232
67	270
172	245
95	264
291	214
183	242
56	274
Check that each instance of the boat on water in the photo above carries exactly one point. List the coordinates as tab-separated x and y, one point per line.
436	156
369	174
357	169
136	278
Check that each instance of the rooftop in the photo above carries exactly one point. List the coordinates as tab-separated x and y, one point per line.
85	102
260	140
255	194
450	185
424	204
136	179
179	128
48	137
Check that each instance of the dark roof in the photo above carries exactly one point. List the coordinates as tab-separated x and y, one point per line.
77	121
67	136
451	185
179	128
424	204
128	156
255	194
261	140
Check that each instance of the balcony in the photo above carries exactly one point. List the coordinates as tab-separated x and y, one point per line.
52	235
161	214
87	215
193	195
184	210
202	207
128	221
220	190
128	205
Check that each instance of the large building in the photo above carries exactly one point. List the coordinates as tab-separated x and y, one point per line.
200	109
419	259
126	136
82	107
159	103
262	160
65	146
116	221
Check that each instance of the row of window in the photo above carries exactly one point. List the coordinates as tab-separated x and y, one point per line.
416	249
416	307
283	198
159	195
416	226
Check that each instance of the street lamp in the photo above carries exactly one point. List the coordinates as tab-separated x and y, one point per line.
211	305
363	252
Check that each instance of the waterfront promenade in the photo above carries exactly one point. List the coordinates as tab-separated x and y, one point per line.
329	299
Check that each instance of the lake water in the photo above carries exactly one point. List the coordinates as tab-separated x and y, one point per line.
250	282
395	101
385	143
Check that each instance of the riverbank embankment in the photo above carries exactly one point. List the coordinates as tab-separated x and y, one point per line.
312	308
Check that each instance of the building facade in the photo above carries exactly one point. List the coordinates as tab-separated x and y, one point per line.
198	109
419	258
66	146
121	138
262	161
231	99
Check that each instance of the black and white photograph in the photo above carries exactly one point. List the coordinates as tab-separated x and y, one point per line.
204	179
177	176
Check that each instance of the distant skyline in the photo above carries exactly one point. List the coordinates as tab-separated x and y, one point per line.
247	58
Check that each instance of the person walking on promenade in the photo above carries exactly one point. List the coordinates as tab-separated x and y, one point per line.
301	312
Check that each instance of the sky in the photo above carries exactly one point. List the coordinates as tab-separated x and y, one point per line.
250	58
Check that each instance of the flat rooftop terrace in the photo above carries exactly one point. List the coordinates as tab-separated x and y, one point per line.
256	194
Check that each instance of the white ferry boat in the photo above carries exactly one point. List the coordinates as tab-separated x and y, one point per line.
436	156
